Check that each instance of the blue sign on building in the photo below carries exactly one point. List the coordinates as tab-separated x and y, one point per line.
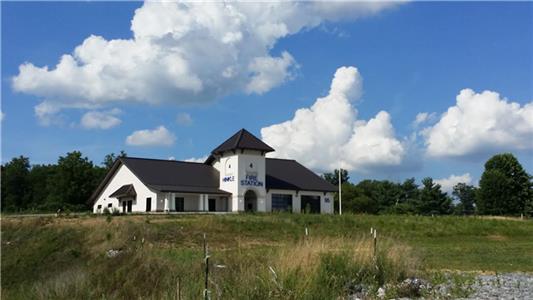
251	180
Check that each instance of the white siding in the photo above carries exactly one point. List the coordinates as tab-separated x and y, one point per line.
122	177
242	163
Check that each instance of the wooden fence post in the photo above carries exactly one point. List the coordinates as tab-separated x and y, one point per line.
206	258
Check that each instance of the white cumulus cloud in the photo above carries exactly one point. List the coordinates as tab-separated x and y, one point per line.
328	134
480	123
447	184
151	137
182	52
100	119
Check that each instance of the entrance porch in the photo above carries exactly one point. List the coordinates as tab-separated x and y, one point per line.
188	202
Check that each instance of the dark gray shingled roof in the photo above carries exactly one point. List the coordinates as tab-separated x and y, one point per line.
242	140
167	176
124	191
285	174
175	176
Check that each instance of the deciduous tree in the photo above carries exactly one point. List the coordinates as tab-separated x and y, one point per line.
505	187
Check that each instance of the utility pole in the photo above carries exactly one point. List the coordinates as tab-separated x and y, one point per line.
340	191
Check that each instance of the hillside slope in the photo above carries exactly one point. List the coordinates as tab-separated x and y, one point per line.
252	256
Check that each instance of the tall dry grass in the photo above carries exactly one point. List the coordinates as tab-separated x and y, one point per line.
261	265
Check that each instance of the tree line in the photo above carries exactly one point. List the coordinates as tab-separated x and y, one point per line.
66	185
505	188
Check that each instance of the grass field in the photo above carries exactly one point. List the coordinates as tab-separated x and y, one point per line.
260	256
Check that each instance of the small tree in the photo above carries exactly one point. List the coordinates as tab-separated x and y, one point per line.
505	188
466	195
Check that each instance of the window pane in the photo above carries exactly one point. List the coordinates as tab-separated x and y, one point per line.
281	202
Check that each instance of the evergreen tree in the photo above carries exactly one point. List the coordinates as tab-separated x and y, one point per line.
408	197
466	195
432	200
505	188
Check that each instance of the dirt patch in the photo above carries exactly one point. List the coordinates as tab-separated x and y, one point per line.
497	237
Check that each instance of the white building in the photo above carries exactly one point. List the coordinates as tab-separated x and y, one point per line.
236	177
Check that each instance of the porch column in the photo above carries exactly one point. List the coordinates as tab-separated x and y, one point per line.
201	202
167	202
172	202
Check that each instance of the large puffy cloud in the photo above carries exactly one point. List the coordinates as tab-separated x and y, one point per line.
159	136
480	123
447	184
328	134
182	53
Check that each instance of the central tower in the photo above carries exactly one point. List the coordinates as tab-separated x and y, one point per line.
240	161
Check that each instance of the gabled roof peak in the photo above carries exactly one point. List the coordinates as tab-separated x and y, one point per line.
242	139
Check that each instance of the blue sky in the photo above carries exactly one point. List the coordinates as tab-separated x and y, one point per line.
412	58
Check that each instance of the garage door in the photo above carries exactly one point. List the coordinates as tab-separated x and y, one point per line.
310	204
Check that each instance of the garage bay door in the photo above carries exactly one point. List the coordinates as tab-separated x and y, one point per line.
310	204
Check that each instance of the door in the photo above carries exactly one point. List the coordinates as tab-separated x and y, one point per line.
179	203
130	204
212	204
123	207
250	201
148	204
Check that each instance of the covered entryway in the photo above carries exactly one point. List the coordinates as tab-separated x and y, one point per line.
126	195
250	201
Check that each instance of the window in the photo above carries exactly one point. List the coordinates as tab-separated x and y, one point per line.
99	207
281	202
148	204
109	205
228	170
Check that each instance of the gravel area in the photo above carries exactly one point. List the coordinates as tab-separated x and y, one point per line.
503	286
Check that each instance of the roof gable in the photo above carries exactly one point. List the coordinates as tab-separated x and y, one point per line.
242	140
127	190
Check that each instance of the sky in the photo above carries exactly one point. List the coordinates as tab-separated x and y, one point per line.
385	90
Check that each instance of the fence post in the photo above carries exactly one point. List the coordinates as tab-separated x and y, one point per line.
178	288
375	242
206	258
